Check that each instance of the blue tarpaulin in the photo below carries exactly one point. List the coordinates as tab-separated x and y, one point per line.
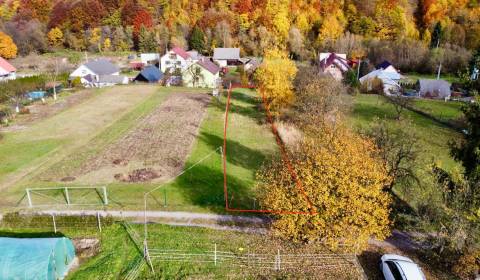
35	95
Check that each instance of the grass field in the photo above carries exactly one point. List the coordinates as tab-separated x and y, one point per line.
53	148
433	137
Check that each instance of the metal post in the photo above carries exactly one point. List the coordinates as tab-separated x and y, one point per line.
279	261
99	223
29	198
164	197
105	198
54	223
67	196
215	256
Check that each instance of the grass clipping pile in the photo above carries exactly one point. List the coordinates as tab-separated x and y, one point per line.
156	149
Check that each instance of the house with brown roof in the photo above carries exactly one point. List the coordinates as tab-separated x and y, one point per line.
334	64
7	71
177	58
203	73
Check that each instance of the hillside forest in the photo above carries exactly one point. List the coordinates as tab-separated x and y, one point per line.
415	35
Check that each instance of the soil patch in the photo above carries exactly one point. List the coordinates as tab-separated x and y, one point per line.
155	149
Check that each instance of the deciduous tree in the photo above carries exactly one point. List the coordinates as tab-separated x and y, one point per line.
55	37
8	49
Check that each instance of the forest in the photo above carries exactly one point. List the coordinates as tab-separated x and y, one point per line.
415	35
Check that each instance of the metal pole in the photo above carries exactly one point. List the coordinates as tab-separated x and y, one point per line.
164	197
29	198
99	223
54	223
279	261
67	196
105	198
215	257
358	69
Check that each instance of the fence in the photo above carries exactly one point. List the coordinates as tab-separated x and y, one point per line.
62	196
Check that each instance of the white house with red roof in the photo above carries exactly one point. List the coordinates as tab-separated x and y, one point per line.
177	58
334	64
203	73
7	71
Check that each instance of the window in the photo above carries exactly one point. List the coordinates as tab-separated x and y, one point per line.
179	63
167	62
173	56
397	275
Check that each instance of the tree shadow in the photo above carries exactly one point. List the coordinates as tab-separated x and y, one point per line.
237	153
243	104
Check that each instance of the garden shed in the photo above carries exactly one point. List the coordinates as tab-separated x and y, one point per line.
151	74
35	258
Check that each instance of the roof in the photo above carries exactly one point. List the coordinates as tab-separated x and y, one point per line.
226	53
181	52
436	84
6	66
339	60
102	66
382	74
209	65
149	74
111	79
384	65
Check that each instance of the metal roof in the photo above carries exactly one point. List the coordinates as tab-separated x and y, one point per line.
102	66
226	53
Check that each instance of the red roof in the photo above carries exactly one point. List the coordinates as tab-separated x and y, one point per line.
210	66
181	52
6	66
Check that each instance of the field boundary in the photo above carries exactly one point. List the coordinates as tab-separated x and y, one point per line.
285	158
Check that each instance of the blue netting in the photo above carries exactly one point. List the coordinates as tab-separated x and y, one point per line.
35	258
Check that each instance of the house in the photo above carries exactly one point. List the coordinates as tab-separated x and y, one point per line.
203	73
176	58
151	74
104	80
334	64
437	89
226	56
7	71
387	67
149	58
94	69
250	64
389	77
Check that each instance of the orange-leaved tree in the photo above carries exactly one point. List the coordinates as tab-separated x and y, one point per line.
275	79
8	49
343	179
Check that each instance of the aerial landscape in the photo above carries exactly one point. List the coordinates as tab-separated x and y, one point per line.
240	139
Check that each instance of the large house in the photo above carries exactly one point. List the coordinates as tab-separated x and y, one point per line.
203	73
389	76
226	56
334	64
99	73
177	58
7	71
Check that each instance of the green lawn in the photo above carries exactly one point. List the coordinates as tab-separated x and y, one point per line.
250	144
433	137
445	111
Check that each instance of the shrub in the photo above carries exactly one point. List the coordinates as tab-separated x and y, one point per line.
468	265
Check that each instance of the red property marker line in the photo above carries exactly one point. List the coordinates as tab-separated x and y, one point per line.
285	158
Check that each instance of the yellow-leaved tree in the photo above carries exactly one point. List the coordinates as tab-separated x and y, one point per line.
55	37
344	180
8	49
275	79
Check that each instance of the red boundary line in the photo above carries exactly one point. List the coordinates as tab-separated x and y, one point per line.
285	158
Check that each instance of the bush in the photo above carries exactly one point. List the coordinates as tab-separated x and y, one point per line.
77	82
468	265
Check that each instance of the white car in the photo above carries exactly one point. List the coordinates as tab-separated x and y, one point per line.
395	267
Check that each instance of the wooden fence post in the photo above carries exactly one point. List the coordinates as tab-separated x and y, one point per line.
99	223
54	223
215	256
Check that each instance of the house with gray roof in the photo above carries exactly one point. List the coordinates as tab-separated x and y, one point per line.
226	56
95	70
436	89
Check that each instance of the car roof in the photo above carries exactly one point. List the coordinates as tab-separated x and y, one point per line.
410	270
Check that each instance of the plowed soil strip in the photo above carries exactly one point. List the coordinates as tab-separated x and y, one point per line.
155	149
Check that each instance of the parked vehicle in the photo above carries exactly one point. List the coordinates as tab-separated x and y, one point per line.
395	267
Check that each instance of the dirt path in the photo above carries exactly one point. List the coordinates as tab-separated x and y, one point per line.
153	151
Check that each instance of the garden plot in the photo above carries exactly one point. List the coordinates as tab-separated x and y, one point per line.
154	150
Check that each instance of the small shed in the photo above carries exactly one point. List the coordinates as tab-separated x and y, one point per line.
151	74
436	89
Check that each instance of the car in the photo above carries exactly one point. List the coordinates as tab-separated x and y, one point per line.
395	267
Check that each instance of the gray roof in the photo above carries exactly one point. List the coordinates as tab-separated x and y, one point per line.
226	53
111	79
102	67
